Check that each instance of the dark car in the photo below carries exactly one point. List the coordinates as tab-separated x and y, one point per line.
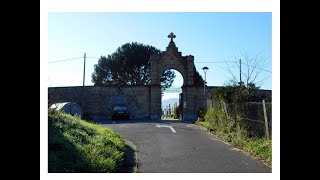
120	112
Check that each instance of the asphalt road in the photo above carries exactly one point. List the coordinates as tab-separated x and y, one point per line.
190	149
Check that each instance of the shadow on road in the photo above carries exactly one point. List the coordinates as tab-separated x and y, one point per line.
141	121
130	162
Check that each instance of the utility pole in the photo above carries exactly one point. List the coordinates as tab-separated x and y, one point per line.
84	68
82	92
240	74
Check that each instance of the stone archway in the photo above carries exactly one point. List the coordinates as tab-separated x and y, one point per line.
172	59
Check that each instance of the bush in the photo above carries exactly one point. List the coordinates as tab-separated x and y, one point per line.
176	112
201	112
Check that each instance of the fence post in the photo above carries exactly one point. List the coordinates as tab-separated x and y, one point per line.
225	109
265	120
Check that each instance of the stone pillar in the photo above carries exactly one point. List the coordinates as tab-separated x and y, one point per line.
189	96
190	70
189	113
155	94
154	72
155	102
184	102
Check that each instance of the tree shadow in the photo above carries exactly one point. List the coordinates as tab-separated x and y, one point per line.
130	160
142	121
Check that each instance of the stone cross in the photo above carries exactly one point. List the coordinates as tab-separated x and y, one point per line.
171	35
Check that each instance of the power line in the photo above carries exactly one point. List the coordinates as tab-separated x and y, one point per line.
236	62
258	68
194	62
65	60
216	62
70	59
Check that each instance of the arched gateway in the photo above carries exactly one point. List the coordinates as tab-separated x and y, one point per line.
143	101
172	59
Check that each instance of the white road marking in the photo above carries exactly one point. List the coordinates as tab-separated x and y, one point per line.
159	126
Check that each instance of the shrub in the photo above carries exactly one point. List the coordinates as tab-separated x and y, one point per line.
201	112
233	129
176	112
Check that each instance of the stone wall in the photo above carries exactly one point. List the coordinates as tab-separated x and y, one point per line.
97	100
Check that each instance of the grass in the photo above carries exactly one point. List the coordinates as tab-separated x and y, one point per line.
75	145
224	127
259	147
204	124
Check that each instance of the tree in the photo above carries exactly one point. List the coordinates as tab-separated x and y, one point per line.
166	79
238	94
246	89
129	65
251	68
176	112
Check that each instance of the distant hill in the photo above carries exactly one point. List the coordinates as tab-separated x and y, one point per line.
171	101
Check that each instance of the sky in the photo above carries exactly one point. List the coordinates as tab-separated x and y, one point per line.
212	38
210	30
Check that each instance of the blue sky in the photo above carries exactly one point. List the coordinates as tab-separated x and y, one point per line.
211	37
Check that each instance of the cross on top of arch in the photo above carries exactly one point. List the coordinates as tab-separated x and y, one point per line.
171	35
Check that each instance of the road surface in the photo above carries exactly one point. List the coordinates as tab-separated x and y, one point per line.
177	147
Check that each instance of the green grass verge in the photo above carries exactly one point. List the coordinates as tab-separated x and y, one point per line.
257	147
204	124
75	145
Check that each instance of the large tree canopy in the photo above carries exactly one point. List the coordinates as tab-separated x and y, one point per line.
129	65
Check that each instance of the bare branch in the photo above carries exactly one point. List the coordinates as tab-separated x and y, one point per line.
230	71
251	67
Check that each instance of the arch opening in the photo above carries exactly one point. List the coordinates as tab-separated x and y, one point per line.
171	98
